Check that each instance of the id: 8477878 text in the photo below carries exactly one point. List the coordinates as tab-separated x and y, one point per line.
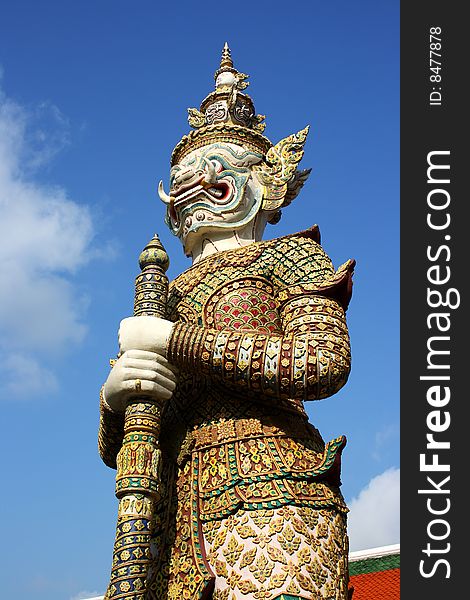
435	66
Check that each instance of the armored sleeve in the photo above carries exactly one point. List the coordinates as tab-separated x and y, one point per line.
110	433
309	360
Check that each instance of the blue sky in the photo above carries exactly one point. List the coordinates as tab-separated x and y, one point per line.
93	98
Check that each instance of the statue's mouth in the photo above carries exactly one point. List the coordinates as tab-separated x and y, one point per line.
217	193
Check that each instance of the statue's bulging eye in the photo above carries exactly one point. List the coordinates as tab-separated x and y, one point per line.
216	164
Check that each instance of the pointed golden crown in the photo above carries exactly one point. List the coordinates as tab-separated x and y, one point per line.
225	115
228	115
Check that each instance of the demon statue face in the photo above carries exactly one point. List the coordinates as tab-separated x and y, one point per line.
213	188
226	178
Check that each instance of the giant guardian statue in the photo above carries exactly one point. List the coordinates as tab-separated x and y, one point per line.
227	491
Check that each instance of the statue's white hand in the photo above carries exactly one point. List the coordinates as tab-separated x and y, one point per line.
145	333
156	376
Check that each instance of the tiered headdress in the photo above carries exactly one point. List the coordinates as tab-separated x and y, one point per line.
228	115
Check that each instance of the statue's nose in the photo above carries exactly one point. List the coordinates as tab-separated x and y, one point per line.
183	176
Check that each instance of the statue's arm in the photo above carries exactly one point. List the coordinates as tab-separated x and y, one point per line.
309	361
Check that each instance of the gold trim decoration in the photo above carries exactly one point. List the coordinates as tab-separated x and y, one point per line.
220	132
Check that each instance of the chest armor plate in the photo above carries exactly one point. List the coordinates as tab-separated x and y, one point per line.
243	304
226	298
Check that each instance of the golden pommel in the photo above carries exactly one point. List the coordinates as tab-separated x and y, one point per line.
154	255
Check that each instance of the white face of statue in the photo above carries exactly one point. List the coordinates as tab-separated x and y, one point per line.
213	193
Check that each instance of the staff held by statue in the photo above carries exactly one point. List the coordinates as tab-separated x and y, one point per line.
138	486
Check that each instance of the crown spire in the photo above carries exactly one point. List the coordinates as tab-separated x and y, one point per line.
225	113
226	60
227	75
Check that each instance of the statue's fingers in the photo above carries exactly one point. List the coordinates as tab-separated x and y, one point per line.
165	363
147	388
131	374
147	355
141	354
150	388
161	392
167	371
150	365
167	382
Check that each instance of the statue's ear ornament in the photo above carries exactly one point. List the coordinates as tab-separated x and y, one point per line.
196	118
279	175
295	185
258	124
241	83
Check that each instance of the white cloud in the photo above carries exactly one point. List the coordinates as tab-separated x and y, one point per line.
23	377
374	517
44	238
